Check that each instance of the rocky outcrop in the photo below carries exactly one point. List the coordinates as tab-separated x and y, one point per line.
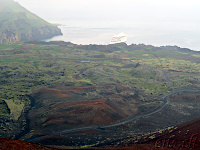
45	32
36	33
21	25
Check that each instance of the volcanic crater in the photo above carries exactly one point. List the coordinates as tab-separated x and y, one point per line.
58	108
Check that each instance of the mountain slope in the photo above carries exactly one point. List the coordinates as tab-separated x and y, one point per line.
11	144
60	108
184	136
19	24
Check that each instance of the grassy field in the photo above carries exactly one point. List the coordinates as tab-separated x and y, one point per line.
26	67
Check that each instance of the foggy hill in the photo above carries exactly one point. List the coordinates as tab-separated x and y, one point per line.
19	24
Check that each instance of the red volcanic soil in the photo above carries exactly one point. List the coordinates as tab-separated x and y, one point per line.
60	108
79	88
184	136
70	114
10	144
56	92
27	47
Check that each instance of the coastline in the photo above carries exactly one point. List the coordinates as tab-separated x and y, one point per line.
85	35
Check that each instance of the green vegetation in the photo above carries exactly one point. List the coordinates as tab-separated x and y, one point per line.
4	108
18	24
148	72
26	67
16	108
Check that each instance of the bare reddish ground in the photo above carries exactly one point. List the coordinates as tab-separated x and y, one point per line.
88	112
80	88
65	107
90	88
11	144
95	103
58	93
184	136
28	47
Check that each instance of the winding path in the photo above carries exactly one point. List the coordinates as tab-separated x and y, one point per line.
165	74
103	127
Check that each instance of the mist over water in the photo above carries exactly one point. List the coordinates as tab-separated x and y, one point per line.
152	22
82	33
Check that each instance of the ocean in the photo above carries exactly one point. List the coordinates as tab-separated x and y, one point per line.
154	22
156	34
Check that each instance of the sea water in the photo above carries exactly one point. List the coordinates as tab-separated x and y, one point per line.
157	34
152	22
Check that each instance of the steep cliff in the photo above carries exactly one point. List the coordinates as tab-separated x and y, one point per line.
19	24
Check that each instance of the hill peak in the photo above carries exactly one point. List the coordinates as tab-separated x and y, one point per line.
19	24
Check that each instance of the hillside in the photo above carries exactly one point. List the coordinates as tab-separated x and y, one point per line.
60	108
19	24
60	93
186	136
10	144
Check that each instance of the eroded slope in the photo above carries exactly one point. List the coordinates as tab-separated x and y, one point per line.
62	107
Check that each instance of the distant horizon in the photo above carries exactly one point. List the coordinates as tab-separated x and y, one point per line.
153	22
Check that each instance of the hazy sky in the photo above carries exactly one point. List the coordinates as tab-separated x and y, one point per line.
160	22
144	10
